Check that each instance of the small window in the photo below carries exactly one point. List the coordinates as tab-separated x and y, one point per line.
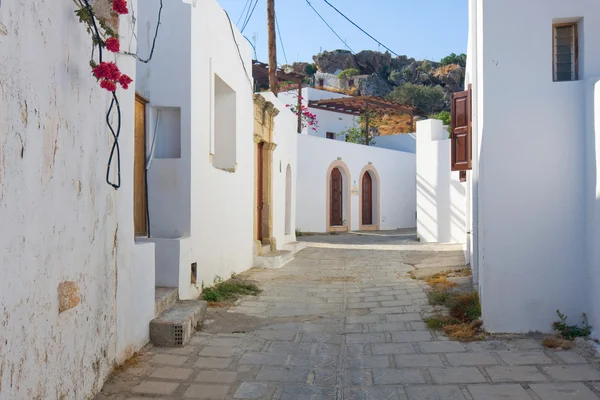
351	83
321	82
565	52
330	135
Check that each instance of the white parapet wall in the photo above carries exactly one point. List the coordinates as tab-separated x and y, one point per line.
393	172
406	142
441	200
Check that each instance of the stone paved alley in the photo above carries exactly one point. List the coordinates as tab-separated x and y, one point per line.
344	321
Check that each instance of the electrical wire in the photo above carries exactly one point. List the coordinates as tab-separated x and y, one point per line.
280	39
145	61
238	48
361	29
253	47
243	11
329	26
249	17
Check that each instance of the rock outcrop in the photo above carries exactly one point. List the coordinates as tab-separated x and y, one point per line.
374	85
334	61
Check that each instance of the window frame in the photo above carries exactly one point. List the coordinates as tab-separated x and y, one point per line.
575	26
332	135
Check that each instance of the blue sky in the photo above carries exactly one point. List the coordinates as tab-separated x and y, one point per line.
421	29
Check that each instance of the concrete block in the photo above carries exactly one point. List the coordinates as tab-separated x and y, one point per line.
175	326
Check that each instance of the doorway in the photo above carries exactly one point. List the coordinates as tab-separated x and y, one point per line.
336	217
259	190
367	199
140	210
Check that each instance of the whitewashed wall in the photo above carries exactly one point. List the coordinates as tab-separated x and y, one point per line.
592	196
529	163
406	142
60	220
397	171
440	194
328	121
211	209
285	154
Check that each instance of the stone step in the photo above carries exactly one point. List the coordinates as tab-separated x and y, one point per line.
175	326
164	298
265	248
295	247
274	259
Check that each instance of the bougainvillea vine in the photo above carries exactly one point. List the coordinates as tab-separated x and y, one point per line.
308	119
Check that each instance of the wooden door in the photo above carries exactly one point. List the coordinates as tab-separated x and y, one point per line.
259	191
367	199
140	214
461	131
336	212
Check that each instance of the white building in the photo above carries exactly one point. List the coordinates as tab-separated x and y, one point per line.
201	181
531	226
77	291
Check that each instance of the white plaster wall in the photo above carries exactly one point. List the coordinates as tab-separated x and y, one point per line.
217	203
61	220
440	194
531	164
397	171
286	152
406	142
593	202
327	121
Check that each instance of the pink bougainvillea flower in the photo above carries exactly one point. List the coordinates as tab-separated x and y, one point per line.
120	6
107	70
108	85
124	81
112	44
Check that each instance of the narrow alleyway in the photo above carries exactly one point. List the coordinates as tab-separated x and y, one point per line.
344	321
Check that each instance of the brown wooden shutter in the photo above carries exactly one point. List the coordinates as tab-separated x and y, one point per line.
461	130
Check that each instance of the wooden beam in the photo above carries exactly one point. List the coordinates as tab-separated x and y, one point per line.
272	46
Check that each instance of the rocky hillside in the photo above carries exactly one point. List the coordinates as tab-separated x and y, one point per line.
379	74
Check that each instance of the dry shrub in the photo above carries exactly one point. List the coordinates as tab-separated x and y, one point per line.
465	306
464	332
440	282
557	343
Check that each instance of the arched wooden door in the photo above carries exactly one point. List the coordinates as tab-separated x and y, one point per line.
336	211
367	199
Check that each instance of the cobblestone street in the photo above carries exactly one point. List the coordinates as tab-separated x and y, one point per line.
345	321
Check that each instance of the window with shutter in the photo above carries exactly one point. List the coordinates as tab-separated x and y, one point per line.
461	131
565	51
330	135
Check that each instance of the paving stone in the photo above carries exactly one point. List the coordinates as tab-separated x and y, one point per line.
518	357
418	326
276	335
434	393
411	336
264	358
217	352
456	375
180	374
356	377
391	376
392	348
379	298
353	338
515	374
153	387
284	374
277	346
397	303
224	342
300	392
359	319
212	363
418	360
466	359
524	344
374	393
166	359
206	392
369	304
491	345
584	372
440	347
387	327
406	317
313	361
321	337
388	310
251	390
570	357
366	361
498	392
560	391
322	377
217	376
356	328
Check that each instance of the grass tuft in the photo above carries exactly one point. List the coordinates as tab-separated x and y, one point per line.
228	290
558	343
